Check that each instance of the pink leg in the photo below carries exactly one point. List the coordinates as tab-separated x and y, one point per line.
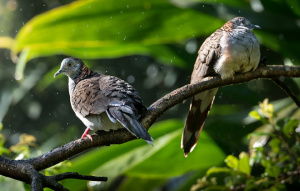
86	134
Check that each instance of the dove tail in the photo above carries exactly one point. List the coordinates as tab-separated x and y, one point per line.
199	109
126	117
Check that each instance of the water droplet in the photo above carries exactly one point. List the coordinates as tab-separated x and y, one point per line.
18	76
130	79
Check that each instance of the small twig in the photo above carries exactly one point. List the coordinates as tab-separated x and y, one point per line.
287	90
75	175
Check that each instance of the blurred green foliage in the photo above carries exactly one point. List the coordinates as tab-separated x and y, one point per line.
152	44
269	165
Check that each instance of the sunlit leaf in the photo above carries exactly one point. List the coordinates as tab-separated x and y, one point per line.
232	162
98	29
244	165
216	170
6	42
255	115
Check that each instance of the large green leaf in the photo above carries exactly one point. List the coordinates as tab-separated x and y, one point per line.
136	159
111	28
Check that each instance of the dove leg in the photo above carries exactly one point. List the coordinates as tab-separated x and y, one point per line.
86	134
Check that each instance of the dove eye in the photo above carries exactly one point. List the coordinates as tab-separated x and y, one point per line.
69	64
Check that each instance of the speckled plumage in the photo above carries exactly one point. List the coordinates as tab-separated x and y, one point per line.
231	49
103	102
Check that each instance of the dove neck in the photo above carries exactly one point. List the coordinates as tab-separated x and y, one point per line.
84	73
71	85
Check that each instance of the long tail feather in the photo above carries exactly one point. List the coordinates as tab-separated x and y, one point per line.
130	122
199	109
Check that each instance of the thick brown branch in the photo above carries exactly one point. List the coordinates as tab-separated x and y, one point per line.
187	91
117	137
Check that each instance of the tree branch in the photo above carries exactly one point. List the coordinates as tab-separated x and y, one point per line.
288	91
27	170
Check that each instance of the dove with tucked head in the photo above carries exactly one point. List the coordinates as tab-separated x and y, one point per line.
231	49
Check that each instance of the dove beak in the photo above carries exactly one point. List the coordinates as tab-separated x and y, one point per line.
59	72
254	26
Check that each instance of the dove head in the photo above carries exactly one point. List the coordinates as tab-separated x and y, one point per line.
71	67
239	23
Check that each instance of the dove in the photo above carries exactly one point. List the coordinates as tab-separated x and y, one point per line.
103	102
231	49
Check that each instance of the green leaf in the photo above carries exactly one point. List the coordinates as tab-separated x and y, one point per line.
244	165
273	170
216	170
136	183
289	128
275	144
98	29
11	184
255	115
232	162
136	159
